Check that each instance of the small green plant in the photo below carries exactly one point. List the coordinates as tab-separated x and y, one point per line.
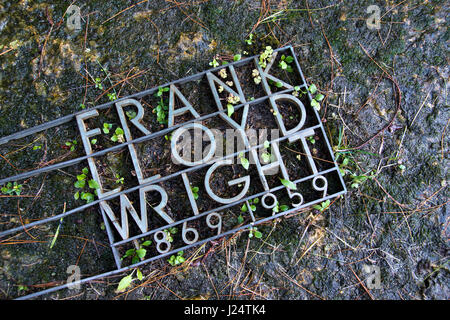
137	254
57	232
265	156
256	76
177	259
288	184
277	84
139	275
252	203
126	281
237	57
98	83
37	147
119	179
323	206
94	141
232	100
169	232
265	57
319	97
22	288
118	135
82	106
285	63
131	114
87	196
348	167
312	140
214	63
72	145
298	92
81	183
161	90
230	109
223	74
279	208
81	178
106	127
12	188
244	208
244	161
195	192
312	88
253	232
343	166
161	108
112	96
358	179
249	41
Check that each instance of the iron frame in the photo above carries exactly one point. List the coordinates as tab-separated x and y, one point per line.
113	243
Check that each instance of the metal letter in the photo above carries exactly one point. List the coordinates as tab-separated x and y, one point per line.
136	122
176	157
187	106
245	179
294	100
85	135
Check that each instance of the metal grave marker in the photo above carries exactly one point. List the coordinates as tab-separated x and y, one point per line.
231	135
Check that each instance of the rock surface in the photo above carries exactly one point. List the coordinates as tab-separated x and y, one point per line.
395	215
